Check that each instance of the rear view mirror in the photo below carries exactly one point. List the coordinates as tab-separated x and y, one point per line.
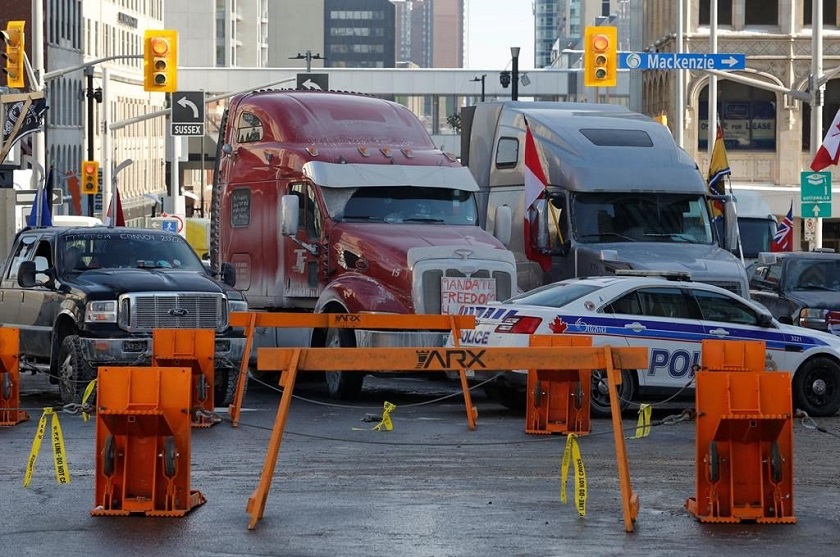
289	214
503	224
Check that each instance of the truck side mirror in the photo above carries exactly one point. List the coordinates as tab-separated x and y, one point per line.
503	224
26	274
228	274
730	219
289	215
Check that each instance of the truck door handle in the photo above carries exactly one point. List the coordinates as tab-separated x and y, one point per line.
719	332
635	326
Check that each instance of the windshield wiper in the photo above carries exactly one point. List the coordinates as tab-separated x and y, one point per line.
600	235
422	219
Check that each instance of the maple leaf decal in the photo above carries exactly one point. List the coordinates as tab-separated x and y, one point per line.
558	325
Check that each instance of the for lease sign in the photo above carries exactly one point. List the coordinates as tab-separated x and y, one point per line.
458	291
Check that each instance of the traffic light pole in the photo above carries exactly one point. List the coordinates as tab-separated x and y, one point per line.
90	99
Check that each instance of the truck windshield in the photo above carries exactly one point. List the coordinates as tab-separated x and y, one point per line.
640	217
119	249
402	204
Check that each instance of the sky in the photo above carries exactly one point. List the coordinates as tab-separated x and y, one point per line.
494	27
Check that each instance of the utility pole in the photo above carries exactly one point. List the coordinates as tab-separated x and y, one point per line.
92	95
308	57
816	89
481	79
514	71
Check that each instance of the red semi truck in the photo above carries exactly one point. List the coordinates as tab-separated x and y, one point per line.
339	202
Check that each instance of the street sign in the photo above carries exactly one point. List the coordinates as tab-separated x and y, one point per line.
816	194
27	197
685	61
188	113
313	81
169	225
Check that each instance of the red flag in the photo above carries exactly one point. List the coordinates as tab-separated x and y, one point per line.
535	180
109	219
783	239
829	151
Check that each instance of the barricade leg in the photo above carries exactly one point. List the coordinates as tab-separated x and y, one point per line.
558	400
236	407
472	411
744	452
195	348
10	412
629	500
143	442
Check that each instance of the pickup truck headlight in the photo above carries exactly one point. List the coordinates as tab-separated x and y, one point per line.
101	312
820	319
237	305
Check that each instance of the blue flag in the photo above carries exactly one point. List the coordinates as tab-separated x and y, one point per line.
41	214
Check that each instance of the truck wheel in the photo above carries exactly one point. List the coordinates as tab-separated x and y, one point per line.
509	396
816	387
342	385
224	391
600	400
74	372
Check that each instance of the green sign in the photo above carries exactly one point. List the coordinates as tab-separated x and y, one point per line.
816	194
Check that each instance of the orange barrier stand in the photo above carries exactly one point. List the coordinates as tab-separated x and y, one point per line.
10	412
388	321
195	348
143	442
744	450
396	360
558	399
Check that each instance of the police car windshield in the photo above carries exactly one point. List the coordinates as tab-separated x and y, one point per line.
554	295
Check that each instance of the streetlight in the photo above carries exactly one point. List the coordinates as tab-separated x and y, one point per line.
514	70
308	57
481	79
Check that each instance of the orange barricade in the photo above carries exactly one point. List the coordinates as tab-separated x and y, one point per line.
389	321
143	442
398	360
558	399
195	348
10	412
744	450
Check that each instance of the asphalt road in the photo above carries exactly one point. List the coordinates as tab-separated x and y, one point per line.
429	487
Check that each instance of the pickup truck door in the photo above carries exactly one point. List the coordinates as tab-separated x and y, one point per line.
40	304
11	295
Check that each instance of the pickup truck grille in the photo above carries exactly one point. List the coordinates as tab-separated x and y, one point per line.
147	311
431	285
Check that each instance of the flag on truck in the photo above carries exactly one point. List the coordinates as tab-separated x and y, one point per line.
829	151
783	239
114	208
535	180
41	214
718	171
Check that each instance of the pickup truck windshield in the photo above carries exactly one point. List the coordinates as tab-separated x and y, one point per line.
107	250
402	204
640	217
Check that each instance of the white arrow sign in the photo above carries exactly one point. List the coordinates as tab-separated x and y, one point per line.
309	84
184	102
816	211
729	61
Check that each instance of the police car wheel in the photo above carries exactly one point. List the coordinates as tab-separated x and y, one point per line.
816	387
600	396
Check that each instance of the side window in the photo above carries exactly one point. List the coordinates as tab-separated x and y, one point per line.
43	260
719	307
309	216
628	304
507	152
22	253
668	302
249	128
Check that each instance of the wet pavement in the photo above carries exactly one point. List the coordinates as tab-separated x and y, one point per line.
429	487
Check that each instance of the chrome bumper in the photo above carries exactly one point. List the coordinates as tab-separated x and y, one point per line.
138	351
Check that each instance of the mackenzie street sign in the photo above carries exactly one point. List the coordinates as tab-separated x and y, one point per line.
672	61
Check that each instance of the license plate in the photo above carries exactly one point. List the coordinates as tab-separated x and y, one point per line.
458	291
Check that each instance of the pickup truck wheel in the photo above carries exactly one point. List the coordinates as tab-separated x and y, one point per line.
342	385
600	396
816	387
74	372
226	379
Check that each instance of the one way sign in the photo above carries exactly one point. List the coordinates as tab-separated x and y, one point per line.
313	81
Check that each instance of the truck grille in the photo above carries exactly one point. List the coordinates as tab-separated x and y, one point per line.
431	285
147	311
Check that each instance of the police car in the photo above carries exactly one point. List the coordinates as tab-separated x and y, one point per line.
668	315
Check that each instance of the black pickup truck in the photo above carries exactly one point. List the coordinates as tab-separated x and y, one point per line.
85	297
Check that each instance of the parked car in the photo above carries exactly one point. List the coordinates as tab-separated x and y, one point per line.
799	288
670	317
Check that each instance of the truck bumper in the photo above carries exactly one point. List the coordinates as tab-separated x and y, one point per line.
138	351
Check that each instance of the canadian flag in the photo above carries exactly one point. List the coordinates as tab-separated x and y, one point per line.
829	151
114	207
535	181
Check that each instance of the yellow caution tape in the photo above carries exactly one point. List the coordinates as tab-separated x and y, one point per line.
643	425
85	397
572	452
386	418
62	473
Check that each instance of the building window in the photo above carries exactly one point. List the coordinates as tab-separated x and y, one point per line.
829	12
724	12
761	12
747	114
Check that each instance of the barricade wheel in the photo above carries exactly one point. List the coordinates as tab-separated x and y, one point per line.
7	386
538	394
169	455
714	462
202	388
109	456
578	396
775	462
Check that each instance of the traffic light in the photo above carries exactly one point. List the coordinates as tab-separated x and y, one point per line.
600	56
90	177
160	61
14	54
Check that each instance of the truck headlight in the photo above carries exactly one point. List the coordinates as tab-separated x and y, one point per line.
237	305
101	312
813	318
